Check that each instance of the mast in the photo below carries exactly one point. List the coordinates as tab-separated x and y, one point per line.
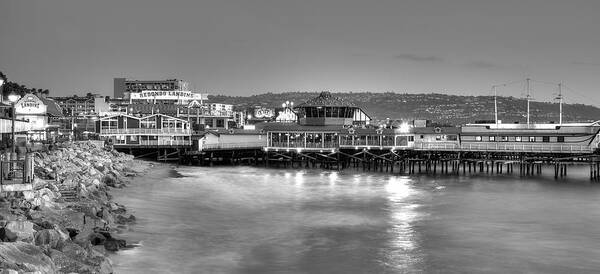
560	101
528	99
495	105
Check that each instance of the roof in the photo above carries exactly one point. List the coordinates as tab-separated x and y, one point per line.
52	108
141	117
296	127
233	131
436	130
325	99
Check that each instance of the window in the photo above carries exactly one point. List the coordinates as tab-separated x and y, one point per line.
531	139
492	138
478	138
422	136
451	137
438	137
518	139
546	139
411	138
504	138
560	139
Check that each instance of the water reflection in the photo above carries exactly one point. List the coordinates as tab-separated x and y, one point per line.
403	253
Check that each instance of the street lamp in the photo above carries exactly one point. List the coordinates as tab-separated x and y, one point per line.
13	98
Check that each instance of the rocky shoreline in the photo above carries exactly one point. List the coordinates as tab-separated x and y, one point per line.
66	224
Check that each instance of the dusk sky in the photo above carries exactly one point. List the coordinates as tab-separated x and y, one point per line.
243	47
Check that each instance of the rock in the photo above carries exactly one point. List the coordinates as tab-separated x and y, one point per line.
51	237
38	202
97	239
68	264
28	195
110	180
72	232
112	244
25	257
23	230
124	219
74	250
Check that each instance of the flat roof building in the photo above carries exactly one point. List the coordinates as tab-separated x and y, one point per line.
123	87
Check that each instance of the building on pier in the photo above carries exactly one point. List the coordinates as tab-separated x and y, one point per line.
327	110
158	130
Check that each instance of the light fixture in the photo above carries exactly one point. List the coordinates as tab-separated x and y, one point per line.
13	97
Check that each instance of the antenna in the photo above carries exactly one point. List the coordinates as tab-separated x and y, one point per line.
528	98
560	101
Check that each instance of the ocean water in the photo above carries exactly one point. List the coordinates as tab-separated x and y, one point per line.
258	220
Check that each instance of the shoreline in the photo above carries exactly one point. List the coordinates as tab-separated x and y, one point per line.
69	221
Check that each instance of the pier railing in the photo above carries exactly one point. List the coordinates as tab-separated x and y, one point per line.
499	147
245	145
157	143
148	131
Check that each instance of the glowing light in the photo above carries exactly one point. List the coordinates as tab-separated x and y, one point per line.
299	149
404	128
13	97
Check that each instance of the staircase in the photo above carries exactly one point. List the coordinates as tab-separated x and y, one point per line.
68	194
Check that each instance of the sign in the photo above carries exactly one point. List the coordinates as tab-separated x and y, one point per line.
167	95
287	115
261	112
30	104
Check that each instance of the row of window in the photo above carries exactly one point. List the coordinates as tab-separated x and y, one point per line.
544	139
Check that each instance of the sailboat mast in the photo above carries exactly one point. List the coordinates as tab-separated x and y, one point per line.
495	105
528	99
560	102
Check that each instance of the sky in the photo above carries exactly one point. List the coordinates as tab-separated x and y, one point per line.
244	47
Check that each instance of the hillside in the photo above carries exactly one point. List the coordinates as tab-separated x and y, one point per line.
452	109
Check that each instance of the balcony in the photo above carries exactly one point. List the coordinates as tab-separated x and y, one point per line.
147	131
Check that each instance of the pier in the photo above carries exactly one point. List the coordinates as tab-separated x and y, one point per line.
331	133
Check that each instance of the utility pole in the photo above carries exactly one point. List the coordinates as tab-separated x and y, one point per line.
528	99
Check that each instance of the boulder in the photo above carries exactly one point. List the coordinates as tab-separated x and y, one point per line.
110	180
112	244
22	230
97	239
124	219
74	250
51	237
68	264
25	257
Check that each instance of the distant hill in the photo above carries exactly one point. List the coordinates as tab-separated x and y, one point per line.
451	109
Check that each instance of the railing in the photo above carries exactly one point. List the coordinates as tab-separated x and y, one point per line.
497	147
324	145
16	175
148	131
233	145
157	143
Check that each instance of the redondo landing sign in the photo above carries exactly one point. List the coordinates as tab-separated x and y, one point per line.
167	95
30	104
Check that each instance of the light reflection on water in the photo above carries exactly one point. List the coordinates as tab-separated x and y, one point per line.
254	220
